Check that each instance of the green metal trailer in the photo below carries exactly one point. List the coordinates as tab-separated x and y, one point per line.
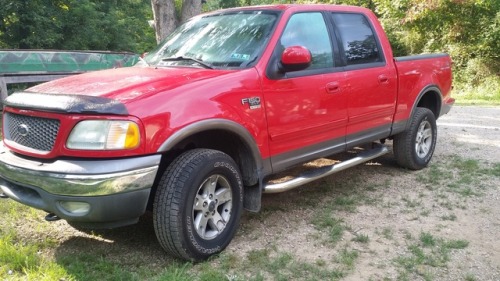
26	66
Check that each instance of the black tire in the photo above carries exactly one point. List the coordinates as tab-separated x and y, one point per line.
198	204
413	149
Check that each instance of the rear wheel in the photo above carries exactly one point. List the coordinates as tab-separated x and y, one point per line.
413	149
198	204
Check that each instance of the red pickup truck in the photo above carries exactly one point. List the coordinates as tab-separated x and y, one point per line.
196	129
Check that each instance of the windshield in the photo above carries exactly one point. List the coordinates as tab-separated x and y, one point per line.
216	41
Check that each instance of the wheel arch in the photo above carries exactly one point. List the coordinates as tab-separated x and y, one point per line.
429	97
226	136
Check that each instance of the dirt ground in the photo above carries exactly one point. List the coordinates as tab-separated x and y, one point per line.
390	206
467	133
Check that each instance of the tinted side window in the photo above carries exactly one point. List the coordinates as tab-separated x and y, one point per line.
309	30
358	39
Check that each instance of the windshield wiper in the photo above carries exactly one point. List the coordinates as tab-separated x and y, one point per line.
181	58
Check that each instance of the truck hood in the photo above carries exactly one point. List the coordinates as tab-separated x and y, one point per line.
125	84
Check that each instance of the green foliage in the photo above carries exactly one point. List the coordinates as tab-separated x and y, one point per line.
76	25
333	226
430	251
467	30
20	261
348	257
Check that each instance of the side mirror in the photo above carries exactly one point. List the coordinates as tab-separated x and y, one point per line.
295	58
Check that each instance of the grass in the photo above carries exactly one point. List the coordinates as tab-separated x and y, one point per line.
347	257
277	265
485	93
428	252
44	257
460	175
346	203
387	233
450	217
23	261
361	238
333	227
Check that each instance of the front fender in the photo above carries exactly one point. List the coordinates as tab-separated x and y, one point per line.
217	124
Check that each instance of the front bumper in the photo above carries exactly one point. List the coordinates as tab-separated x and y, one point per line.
99	193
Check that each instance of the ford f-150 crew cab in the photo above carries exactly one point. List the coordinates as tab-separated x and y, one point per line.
194	131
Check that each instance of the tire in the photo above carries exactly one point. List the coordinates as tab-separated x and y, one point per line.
198	204
413	149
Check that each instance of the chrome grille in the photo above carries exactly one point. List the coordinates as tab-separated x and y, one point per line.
33	132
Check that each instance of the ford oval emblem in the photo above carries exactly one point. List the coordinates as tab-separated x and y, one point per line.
23	130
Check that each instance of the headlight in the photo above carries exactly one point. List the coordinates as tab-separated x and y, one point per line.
104	135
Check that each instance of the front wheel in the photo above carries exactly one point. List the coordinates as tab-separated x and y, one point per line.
198	204
413	149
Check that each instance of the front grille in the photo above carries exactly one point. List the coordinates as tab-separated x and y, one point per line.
33	132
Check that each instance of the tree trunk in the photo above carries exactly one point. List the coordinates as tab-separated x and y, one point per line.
164	18
190	8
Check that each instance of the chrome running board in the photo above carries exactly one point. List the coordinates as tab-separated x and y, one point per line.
321	172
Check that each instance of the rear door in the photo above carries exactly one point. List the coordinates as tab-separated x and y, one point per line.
371	81
307	109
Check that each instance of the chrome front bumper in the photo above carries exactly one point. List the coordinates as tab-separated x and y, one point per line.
113	190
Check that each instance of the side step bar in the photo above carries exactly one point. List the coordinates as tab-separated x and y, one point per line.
313	175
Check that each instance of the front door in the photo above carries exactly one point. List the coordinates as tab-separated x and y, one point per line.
307	109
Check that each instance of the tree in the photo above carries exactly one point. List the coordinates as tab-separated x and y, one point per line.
30	24
76	25
169	13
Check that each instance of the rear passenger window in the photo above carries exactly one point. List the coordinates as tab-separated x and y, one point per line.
358	39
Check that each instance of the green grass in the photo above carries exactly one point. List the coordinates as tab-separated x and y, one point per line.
429	251
470	277
283	266
332	226
347	257
361	238
450	217
19	260
346	203
459	175
44	257
485	93
387	233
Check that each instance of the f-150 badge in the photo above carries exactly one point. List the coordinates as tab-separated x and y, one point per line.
253	102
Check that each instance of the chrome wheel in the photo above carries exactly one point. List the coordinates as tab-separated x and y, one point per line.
212	207
423	140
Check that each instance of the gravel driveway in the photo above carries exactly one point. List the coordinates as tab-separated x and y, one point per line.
470	132
395	208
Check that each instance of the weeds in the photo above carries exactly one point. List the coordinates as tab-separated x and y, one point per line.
445	181
428	251
387	233
22	261
465	178
334	227
347	257
450	217
361	238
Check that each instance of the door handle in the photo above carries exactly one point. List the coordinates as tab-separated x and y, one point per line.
333	87
382	79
